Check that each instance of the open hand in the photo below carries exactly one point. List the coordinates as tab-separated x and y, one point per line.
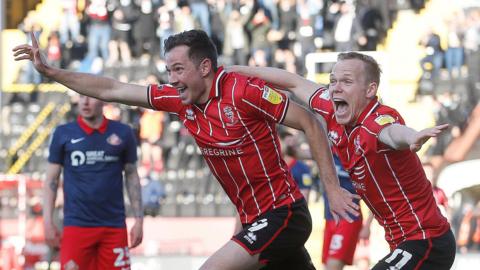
423	135
32	53
342	204
136	234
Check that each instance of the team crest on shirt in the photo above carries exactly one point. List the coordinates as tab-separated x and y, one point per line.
384	119
190	115
271	95
114	139
333	136
228	111
358	147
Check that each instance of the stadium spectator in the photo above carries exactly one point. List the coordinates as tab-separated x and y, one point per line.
472	56
99	30
151	130
201	14
153	193
344	27
69	23
124	13
378	150
433	60
146	45
372	28
232	118
93	153
235	48
54	50
454	52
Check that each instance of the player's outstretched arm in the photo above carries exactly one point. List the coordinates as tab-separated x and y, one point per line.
341	201
103	88
402	137
50	188
281	79
135	195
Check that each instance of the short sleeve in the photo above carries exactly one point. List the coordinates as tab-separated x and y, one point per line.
131	147
379	120
56	150
164	98
264	101
320	103
383	119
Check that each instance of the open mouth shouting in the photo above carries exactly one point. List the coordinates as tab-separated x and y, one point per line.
341	106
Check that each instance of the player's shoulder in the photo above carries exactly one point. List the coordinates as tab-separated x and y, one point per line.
233	78
119	125
66	127
382	116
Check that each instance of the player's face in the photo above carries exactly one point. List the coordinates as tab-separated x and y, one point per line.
348	91
90	108
185	76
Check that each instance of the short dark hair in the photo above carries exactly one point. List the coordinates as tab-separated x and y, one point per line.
372	69
199	44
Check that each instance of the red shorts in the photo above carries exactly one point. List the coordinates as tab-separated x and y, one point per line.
92	248
339	241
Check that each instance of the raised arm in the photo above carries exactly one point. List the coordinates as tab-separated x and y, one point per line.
341	201
135	195
50	188
402	137
282	79
103	88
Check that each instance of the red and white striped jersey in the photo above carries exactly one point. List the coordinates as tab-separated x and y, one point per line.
391	182
236	133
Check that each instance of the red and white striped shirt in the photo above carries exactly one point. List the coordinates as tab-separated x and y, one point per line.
236	133
391	182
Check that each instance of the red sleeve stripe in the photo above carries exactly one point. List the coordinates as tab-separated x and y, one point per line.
314	95
285	109
149	96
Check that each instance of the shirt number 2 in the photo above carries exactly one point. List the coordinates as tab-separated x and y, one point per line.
123	257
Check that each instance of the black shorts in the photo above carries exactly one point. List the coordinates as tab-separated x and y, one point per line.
279	236
436	254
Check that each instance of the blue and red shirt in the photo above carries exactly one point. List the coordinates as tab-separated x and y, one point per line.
93	162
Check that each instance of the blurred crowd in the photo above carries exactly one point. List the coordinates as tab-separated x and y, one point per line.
98	34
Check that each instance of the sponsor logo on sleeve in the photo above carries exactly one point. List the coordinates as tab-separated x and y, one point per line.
384	119
271	95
